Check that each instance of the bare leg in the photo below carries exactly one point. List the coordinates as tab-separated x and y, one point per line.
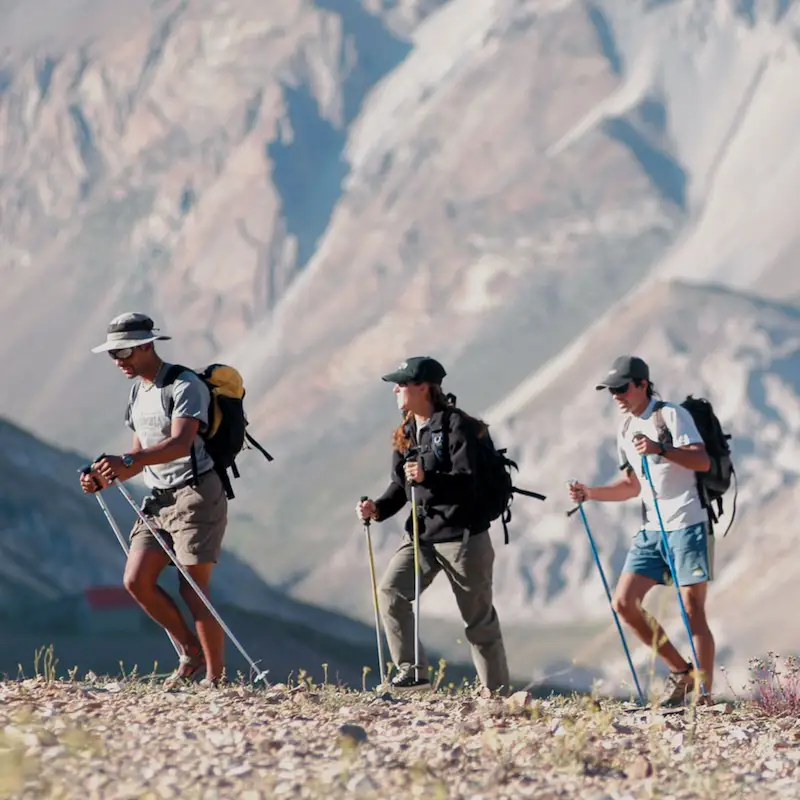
628	596
694	599
209	631
141	580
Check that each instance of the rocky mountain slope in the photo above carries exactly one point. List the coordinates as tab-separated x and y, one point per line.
315	194
180	156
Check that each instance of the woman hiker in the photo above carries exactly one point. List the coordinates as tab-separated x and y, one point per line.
435	447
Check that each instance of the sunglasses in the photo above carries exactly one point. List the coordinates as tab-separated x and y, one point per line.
123	354
617	390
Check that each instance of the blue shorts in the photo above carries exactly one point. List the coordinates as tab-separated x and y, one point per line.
692	553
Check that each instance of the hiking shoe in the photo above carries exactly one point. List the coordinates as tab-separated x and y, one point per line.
405	679
678	685
188	668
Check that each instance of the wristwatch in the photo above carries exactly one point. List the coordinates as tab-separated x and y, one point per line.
127	460
663	450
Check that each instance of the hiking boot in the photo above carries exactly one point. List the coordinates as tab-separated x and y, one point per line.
677	686
406	679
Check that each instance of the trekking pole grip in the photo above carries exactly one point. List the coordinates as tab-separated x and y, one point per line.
87	470
364	499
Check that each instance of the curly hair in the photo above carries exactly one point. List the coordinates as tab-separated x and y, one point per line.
400	437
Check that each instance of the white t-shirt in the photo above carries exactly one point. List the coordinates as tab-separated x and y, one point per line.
676	487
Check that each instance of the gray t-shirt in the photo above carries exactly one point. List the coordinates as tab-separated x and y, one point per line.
148	416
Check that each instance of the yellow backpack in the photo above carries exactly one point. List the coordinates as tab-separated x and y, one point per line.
226	434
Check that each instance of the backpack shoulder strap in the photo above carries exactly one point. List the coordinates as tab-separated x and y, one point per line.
172	374
664	435
131	400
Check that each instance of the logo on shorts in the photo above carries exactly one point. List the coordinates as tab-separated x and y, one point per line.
698	572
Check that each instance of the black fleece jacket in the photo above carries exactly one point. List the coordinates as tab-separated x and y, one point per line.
446	497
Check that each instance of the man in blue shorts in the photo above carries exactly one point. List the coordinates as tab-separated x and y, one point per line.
667	435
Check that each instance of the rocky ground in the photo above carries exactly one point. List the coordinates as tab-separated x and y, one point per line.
130	738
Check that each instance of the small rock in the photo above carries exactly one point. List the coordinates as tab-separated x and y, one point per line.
519	700
722	708
640	768
354	734
621	728
28	738
471	726
239	771
361	785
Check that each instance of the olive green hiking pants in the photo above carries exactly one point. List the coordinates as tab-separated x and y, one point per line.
470	575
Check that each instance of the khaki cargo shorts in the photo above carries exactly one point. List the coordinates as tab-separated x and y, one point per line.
191	520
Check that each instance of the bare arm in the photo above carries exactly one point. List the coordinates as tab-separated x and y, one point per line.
625	489
690	456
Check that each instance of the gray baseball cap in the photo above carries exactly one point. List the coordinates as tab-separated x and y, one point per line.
130	329
624	370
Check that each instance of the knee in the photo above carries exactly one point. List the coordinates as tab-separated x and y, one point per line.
137	585
391	598
626	606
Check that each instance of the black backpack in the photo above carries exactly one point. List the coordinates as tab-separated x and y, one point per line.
711	485
226	434
497	489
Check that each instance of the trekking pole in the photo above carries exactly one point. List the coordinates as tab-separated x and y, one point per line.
608	595
374	595
417	581
118	533
260	674
671	563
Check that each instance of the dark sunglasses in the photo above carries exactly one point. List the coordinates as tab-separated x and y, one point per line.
123	354
616	390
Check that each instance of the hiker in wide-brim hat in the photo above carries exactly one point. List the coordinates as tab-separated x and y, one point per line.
168	410
435	450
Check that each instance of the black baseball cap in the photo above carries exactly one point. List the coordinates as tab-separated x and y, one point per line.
419	369
624	370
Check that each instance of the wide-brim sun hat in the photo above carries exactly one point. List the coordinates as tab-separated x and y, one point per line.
130	329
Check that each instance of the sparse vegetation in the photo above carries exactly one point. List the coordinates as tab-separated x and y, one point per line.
75	737
776	688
